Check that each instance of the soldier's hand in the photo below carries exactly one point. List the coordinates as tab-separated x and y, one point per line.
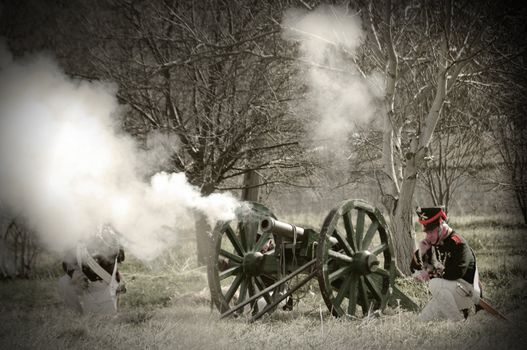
121	288
424	246
439	268
79	280
421	275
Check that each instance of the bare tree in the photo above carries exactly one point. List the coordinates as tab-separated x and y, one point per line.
213	74
513	151
505	99
509	130
423	48
19	249
458	152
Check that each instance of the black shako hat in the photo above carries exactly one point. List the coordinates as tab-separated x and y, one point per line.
430	217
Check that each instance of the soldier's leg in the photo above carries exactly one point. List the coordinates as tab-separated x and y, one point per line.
465	295
443	291
68	292
431	311
99	299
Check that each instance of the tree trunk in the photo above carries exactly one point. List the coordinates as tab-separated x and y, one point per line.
403	224
522	203
203	230
397	191
404	243
251	186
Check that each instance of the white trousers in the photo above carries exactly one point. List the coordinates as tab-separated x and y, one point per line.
97	297
448	299
69	293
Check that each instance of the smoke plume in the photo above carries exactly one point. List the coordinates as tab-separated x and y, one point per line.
67	167
340	96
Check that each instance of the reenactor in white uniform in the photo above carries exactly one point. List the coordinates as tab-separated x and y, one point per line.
92	282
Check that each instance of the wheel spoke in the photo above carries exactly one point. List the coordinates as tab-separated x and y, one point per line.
252	291
352	297
347	249
232	289
359	228
251	229
234	240
340	257
382	272
373	287
261	241
369	235
261	286
379	249
243	235
348	225
363	296
243	291
229	272
338	273
344	288
231	256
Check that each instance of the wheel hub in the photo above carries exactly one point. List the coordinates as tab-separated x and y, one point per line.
252	263
365	262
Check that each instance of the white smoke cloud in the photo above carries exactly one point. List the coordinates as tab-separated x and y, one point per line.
340	96
66	166
160	147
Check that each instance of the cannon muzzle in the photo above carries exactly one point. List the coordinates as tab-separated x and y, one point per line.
280	228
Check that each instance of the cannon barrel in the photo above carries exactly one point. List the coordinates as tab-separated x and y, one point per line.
268	224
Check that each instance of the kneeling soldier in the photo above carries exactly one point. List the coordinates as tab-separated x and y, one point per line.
92	282
445	259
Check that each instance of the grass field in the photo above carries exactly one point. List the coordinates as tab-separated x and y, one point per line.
167	306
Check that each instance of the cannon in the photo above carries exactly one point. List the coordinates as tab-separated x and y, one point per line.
255	258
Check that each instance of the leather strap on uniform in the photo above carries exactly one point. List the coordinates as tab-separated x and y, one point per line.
83	257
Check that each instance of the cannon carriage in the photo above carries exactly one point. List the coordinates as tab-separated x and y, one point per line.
257	262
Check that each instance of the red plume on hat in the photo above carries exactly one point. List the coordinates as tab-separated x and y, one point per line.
431	217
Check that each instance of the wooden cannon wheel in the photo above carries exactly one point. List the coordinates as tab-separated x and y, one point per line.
233	270
355	260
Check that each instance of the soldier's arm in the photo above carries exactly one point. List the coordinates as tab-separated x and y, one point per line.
416	263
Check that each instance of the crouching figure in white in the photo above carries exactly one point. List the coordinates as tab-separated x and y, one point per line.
92	283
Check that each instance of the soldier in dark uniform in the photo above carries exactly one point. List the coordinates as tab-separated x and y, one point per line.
445	259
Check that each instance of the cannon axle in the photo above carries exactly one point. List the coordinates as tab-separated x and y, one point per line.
252	263
365	262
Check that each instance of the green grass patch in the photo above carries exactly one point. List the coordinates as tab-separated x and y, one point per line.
167	306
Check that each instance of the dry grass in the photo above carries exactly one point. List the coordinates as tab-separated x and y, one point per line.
168	307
